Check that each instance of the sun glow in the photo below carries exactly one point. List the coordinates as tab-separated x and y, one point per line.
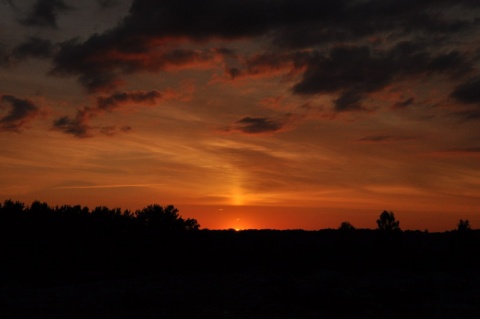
238	198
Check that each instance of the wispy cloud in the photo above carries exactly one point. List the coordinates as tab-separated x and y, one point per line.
108	186
384	139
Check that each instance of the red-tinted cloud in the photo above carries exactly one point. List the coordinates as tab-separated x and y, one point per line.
141	41
349	49
101	62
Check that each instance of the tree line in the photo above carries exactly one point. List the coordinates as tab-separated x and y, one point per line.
388	223
40	214
45	245
153	218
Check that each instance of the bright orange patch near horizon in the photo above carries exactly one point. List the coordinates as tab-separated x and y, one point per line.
311	218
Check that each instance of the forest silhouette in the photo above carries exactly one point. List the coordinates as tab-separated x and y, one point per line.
364	273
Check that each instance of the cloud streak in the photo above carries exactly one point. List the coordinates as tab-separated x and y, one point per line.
384	139
18	114
258	125
262	125
80	126
115	100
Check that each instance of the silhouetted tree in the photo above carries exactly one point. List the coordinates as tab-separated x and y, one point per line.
12	214
387	222
463	225
12	207
191	224
346	226
156	217
38	207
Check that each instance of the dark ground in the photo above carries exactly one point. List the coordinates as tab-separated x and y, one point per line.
70	262
251	274
321	294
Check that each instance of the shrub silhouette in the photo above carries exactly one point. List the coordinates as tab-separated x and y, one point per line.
463	225
387	222
346	226
167	219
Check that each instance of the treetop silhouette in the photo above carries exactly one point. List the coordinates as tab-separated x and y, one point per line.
155	218
346	226
164	219
387	222
463	225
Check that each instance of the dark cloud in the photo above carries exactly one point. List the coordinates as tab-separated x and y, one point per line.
404	104
34	47
327	19
107	4
138	97
80	126
349	100
5	58
356	71
44	13
20	112
100	61
367	44
77	126
258	125
351	67
468	92
350	20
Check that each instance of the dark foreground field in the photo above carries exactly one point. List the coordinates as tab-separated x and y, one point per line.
249	274
70	262
320	294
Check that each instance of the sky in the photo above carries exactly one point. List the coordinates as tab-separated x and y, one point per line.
280	114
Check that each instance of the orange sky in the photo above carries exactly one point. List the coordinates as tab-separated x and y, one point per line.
304	115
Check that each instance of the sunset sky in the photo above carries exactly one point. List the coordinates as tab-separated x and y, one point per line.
245	114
